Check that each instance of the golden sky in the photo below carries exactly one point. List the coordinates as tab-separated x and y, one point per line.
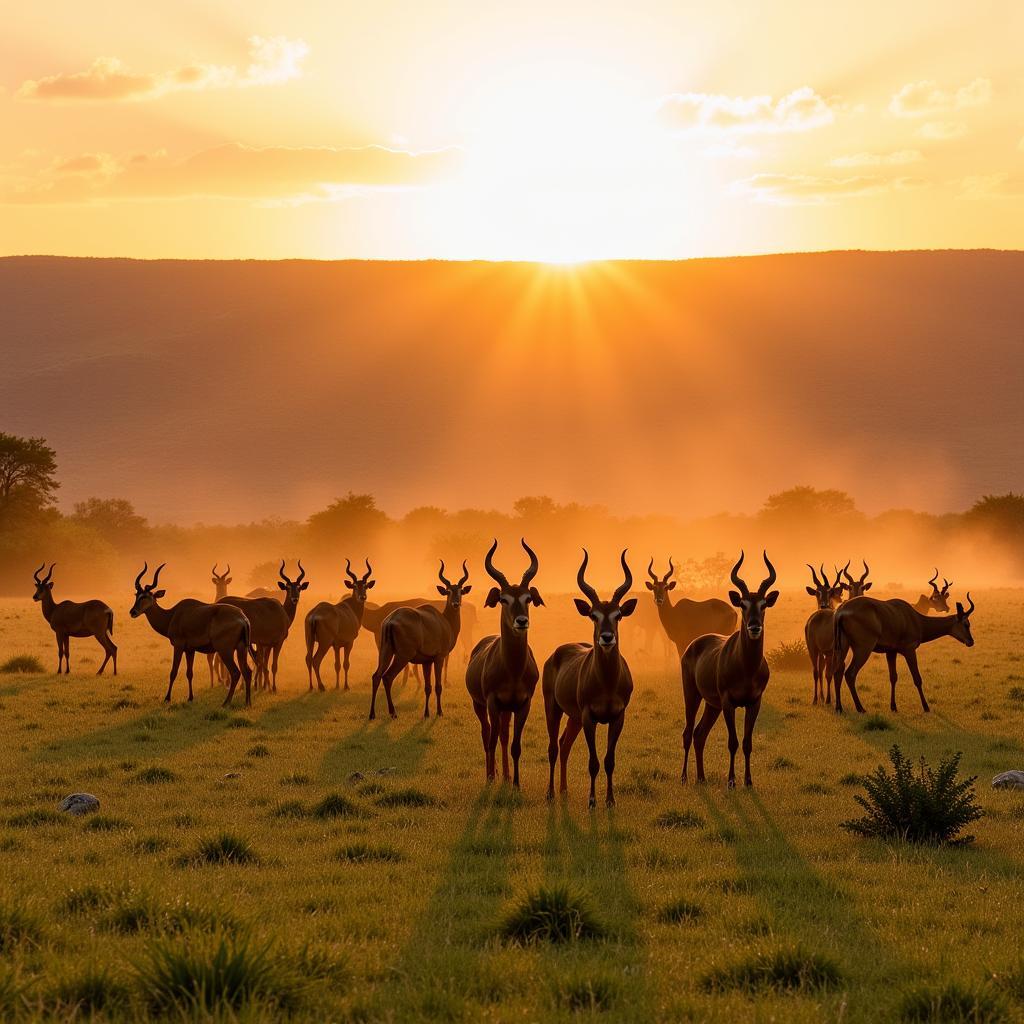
536	130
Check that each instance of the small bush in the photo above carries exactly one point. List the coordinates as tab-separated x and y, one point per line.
680	912
786	970
953	1003
19	927
154	775
405	798
360	853
791	655
259	750
335	806
22	664
679	820
876	723
225	849
555	914
929	807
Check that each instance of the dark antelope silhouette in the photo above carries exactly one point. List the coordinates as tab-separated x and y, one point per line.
818	631
75	618
420	636
220	583
502	673
937	600
865	626
590	684
374	616
195	627
856	588
336	626
270	621
727	673
686	620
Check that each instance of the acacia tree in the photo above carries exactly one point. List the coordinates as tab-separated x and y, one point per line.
28	475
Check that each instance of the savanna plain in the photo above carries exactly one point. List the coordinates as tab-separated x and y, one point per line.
324	867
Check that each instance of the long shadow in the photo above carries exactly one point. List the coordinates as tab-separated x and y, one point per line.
381	744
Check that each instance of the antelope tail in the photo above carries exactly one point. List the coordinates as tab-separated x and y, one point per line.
110	622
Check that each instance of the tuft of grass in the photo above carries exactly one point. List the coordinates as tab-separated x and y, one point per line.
13	993
104	823
94	991
876	723
322	964
782	970
674	819
154	775
361	853
792	655
22	664
406	798
215	977
585	993
225	848
290	809
852	779
20	928
259	750
295	779
240	723
553	914
334	806
37	816
928	807
680	912
1016	694
124	704
952	1003
782	764
151	844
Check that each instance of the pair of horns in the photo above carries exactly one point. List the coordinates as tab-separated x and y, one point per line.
49	575
960	607
448	583
946	584
348	571
850	578
225	574
149	586
499	577
590	593
672	569
824	583
302	573
766	583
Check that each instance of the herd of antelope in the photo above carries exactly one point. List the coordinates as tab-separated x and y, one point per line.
720	647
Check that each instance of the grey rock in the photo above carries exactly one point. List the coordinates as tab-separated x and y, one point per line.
386	771
79	804
233	775
355	777
1009	780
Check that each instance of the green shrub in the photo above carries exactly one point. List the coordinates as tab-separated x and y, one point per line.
952	1003
555	914
22	664
792	655
929	807
225	849
335	806
876	723
785	970
259	750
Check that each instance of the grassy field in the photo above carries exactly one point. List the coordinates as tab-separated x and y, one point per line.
381	897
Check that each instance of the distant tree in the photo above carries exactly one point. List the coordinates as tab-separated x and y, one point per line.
801	503
535	507
1002	514
354	519
28	475
114	519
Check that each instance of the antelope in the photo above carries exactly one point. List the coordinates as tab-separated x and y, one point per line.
75	618
336	626
818	631
420	636
866	625
196	627
686	620
220	583
374	616
936	600
502	675
856	588
727	673
590	684
270	621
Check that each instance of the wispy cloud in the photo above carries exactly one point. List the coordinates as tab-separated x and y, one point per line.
810	189
942	131
897	158
799	111
1003	185
928	99
271	61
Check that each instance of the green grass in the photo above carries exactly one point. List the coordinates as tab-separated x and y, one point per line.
365	912
953	1003
22	664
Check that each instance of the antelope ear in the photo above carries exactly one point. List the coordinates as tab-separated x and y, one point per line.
443	591
492	597
281	586
159	593
735	599
369	586
228	580
348	583
672	585
627	608
304	586
535	597
868	586
466	590
811	591
650	585
582	607
959	610
772	597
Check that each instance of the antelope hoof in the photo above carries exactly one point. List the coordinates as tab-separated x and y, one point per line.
732	784
593	804
372	716
610	802
394	714
551	796
321	688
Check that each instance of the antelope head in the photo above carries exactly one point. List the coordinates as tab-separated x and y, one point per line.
221	581
962	626
938	599
753	606
661	585
515	598
856	588
146	594
44	585
453	591
828	595
359	585
605	614
292	588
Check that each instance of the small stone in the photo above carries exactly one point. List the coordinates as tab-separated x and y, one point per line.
386	771
79	804
355	777
233	775
1009	780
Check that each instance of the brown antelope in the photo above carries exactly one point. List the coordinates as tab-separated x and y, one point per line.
590	684
818	632
196	627
727	673
374	616
220	583
502	673
686	620
937	600
865	626
420	636
336	626
270	621
75	618
856	588
266	593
